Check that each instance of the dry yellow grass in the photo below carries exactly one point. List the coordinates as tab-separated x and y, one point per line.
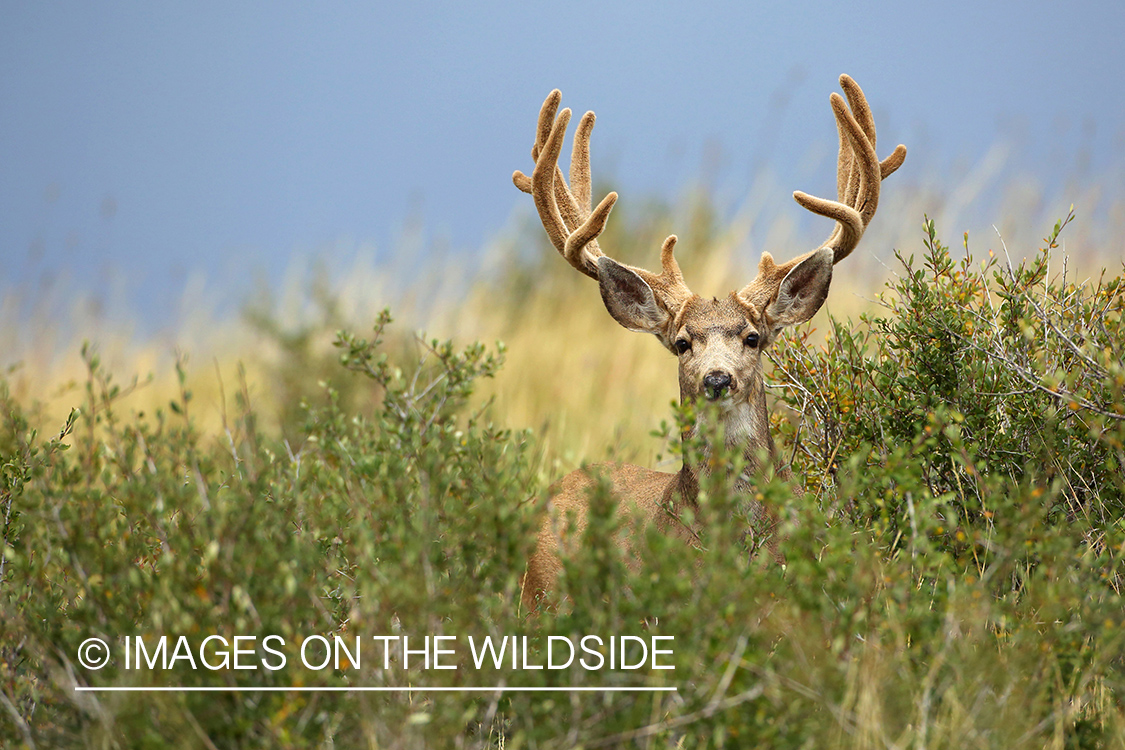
585	386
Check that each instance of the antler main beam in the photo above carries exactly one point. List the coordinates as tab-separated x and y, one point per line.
859	176
859	173
565	211
571	225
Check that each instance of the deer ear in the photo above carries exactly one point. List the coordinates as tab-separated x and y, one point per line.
802	291
629	298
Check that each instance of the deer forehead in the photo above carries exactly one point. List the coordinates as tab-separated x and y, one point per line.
703	319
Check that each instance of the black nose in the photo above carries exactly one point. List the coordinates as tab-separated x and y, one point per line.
715	383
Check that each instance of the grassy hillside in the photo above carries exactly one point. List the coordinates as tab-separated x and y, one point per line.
953	546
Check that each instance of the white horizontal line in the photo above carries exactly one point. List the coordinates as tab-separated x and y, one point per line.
361	689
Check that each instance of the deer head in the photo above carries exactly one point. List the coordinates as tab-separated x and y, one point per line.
718	342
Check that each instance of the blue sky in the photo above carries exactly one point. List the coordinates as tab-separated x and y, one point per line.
146	141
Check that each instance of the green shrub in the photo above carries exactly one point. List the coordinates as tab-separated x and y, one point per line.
952	566
413	520
972	435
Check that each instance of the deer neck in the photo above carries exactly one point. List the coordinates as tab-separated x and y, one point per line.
745	427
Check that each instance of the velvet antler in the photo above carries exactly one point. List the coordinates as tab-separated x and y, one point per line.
859	175
566	211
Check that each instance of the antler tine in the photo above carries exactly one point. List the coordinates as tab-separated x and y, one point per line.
847	177
543	183
546	121
580	163
863	185
668	285
862	111
890	165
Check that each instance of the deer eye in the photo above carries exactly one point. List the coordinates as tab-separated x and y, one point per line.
681	345
752	341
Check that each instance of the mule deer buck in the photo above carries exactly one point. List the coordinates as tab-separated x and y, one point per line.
718	343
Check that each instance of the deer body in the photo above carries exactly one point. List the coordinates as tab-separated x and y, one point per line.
718	342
